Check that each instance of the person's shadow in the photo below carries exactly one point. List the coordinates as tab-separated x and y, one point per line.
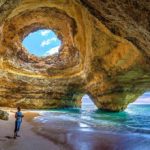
9	137
2	139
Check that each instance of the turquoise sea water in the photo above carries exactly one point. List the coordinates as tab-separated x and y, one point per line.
88	128
135	119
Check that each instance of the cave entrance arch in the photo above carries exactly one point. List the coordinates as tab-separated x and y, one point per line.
87	103
42	43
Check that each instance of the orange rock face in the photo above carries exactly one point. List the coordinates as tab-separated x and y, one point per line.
105	54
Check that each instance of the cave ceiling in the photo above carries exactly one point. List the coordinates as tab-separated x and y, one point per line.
105	53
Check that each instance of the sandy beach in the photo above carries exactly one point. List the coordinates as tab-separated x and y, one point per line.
28	140
64	135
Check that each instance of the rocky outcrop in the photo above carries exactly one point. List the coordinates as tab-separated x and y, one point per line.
4	115
105	53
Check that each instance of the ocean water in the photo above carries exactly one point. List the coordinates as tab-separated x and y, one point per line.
134	119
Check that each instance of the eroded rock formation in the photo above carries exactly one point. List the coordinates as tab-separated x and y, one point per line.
105	53
4	115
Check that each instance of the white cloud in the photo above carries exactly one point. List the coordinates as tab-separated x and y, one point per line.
45	32
48	41
52	51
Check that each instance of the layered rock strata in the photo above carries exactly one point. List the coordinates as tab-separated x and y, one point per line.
105	53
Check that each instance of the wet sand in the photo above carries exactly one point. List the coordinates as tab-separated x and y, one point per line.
69	136
64	135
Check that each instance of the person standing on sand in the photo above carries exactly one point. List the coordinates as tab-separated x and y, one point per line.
18	116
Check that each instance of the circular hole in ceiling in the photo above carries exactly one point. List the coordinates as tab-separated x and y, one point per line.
42	43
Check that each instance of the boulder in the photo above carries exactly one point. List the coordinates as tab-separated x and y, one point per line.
4	115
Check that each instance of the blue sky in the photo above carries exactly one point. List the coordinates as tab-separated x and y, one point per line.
42	43
145	98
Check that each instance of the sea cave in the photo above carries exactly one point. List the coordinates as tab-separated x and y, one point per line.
100	50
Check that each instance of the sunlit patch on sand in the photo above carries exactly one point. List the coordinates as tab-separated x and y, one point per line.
83	125
41	119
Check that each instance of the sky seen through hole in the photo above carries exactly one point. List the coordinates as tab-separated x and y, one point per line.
42	43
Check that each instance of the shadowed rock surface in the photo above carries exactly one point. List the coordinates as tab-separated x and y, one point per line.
105	53
4	115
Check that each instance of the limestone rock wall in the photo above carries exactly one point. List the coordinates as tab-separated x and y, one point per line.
105	53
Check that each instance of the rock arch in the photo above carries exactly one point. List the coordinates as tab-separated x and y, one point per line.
112	69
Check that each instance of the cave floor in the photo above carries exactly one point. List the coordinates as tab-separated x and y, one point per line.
55	135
